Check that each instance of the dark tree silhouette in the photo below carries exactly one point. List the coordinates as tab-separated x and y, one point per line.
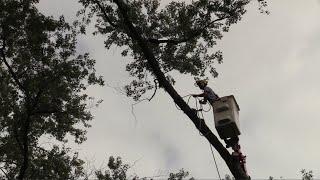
41	93
117	170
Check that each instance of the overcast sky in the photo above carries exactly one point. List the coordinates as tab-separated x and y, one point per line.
271	66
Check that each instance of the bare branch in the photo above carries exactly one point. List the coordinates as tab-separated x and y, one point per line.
7	176
193	34
134	163
145	99
155	90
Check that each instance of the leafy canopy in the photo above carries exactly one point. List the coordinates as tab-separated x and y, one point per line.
182	35
42	92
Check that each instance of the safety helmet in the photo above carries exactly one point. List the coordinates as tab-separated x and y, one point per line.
202	82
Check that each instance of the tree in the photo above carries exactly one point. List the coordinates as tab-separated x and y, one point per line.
179	37
306	175
118	171
270	178
42	93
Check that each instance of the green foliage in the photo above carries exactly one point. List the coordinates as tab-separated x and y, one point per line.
306	175
42	92
119	171
181	35
182	174
55	163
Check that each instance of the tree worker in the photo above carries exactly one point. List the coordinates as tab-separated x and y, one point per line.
208	94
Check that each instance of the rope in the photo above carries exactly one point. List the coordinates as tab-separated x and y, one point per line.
214	158
202	117
201	107
189	95
215	162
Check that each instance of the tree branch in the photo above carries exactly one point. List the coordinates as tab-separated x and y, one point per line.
104	13
193	34
16	80
30	106
155	90
41	90
12	73
25	153
199	123
7	176
16	136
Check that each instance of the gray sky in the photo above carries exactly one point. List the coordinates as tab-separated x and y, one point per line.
270	65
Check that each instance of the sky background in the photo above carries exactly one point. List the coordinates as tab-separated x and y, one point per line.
271	66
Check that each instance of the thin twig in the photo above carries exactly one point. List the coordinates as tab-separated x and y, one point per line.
155	90
1	168
193	34
134	163
145	99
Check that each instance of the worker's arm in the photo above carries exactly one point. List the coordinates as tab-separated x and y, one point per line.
204	94
199	95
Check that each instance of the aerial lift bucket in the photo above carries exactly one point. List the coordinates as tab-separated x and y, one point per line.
226	117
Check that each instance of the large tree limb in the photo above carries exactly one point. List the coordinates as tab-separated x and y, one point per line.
25	153
12	73
105	15
26	126
30	107
237	172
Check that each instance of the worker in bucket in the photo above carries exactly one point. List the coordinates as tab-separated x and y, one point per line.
208	94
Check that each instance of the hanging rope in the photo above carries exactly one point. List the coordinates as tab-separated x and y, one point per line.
201	107
215	162
202	117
